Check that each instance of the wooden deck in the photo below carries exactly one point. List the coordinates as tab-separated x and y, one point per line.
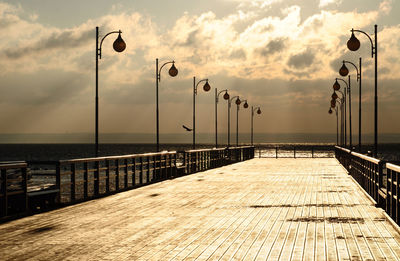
275	209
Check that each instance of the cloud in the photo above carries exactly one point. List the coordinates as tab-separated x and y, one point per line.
57	40
271	59
324	3
302	60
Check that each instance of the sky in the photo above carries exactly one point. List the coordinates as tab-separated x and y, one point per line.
281	55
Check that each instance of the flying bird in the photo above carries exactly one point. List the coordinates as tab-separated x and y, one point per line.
186	128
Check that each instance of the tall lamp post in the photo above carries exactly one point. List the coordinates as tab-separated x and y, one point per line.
334	105
349	98
337	124
354	44
206	88
342	102
252	116
229	116
336	87
172	72
119	46
245	105
226	97
344	71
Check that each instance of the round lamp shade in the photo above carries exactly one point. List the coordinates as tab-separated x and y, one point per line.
336	86
353	43
206	87
343	71
173	71
259	111
119	45
237	101
226	96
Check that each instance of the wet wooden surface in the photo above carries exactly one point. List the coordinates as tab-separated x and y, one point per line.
275	209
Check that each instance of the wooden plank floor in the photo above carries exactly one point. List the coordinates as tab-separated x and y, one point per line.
262	209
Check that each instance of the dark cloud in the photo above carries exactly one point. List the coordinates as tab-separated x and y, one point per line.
238	54
63	40
301	60
272	47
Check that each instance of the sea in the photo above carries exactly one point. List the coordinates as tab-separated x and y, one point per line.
58	151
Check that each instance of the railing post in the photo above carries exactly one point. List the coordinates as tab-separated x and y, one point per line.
58	181
397	212
126	173
276	152
175	171
73	182
4	189
85	180
116	166
149	169
141	170
133	171
107	176
25	187
97	178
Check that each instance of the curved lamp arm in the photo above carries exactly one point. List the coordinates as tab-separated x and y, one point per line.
231	99
373	48
254	109
343	95
347	85
216	98
159	71
101	42
195	88
355	66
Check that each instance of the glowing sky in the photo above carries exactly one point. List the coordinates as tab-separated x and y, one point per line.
280	55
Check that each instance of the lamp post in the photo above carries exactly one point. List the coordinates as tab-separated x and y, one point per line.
252	116
245	105
229	116
336	87
119	46
354	44
337	123
342	102
349	93
206	88
172	72
226	97
344	72
333	105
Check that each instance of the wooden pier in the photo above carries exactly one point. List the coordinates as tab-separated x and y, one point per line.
274	209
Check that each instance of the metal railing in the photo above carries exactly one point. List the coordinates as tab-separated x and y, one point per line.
76	180
83	179
295	151
393	192
379	179
13	189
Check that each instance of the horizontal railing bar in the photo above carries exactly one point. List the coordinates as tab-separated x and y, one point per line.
13	165
69	161
393	167
365	157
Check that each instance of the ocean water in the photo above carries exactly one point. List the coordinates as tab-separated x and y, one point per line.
50	152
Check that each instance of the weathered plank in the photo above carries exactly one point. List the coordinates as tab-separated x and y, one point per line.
274	209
